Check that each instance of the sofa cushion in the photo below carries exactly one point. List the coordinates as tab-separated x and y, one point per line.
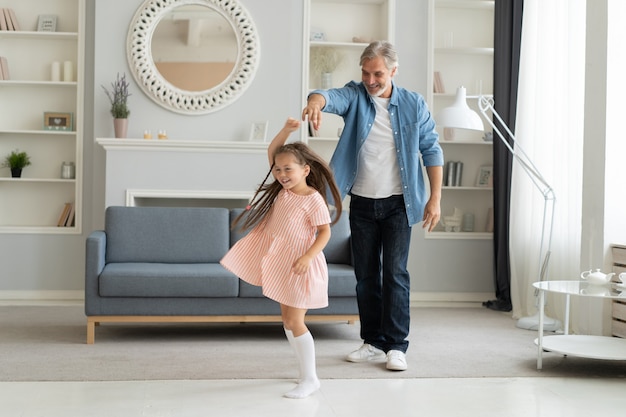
338	249
167	280
166	234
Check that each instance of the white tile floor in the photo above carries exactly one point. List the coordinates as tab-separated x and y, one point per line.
442	397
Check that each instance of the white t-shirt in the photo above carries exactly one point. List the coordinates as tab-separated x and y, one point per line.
378	174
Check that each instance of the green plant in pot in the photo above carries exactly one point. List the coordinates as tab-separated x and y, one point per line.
16	161
118	96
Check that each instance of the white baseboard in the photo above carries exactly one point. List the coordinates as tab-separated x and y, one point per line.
449	299
418	299
42	297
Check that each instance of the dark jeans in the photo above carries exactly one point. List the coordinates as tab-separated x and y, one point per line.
381	237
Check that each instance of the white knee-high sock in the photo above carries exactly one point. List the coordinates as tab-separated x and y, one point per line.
292	343
305	349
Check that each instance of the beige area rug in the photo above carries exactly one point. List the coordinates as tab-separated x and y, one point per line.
48	344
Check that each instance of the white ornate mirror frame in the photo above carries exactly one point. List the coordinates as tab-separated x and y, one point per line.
143	69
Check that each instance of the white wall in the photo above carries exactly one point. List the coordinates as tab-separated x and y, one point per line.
31	263
604	201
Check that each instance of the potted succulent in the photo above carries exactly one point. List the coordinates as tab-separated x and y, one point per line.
16	161
118	96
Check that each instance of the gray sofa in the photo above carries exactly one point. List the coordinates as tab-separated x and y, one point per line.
161	264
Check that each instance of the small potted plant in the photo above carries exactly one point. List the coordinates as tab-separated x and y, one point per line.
16	161
325	60
118	96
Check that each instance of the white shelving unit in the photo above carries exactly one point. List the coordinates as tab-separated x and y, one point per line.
461	51
34	202
348	26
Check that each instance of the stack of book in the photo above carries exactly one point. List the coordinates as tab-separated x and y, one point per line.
8	21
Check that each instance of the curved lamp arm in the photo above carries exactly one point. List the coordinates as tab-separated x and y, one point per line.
461	116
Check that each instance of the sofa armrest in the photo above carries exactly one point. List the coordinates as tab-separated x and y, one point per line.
94	264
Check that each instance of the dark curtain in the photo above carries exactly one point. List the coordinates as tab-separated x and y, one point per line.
507	40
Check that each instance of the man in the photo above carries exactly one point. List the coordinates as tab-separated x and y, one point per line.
377	162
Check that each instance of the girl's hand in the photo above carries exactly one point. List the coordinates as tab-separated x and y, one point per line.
291	125
301	265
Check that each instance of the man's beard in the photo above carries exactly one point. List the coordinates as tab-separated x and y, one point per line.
378	92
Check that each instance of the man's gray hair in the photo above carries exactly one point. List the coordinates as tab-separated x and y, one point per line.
382	49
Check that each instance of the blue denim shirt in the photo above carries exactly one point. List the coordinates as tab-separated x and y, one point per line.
414	135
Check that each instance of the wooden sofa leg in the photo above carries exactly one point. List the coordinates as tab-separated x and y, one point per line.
91	332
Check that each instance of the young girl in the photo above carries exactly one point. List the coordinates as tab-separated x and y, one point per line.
283	252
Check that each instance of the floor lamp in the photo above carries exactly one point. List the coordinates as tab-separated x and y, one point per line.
461	116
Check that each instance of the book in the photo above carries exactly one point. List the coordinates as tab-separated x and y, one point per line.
70	217
438	83
458	173
4	65
64	214
490	220
16	26
450	173
313	133
3	22
7	18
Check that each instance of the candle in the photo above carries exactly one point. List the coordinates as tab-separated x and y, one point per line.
56	71
68	71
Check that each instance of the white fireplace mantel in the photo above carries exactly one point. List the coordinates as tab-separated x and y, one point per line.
169	145
176	169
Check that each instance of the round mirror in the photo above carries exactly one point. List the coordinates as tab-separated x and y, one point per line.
192	56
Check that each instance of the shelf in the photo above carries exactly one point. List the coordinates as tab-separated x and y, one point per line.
465	142
460	4
39	132
459	235
322	139
461	51
465	51
26	83
595	347
462	188
39	195
37	180
24	34
39	229
329	44
340	22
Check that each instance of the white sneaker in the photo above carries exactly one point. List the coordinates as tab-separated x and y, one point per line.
366	353
396	360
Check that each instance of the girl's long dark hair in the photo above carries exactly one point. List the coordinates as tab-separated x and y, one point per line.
320	177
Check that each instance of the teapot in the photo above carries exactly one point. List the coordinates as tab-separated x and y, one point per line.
597	277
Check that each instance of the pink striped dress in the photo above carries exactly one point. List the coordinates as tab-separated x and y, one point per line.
264	257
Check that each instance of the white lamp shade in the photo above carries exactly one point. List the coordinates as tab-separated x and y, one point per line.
459	115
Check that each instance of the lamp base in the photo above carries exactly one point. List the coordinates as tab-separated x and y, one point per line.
532	323
498	305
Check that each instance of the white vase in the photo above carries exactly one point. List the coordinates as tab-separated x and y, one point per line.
327	80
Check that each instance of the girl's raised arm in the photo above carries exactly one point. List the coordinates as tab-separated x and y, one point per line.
291	125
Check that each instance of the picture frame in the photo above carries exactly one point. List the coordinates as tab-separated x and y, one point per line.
47	23
485	176
58	121
258	131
